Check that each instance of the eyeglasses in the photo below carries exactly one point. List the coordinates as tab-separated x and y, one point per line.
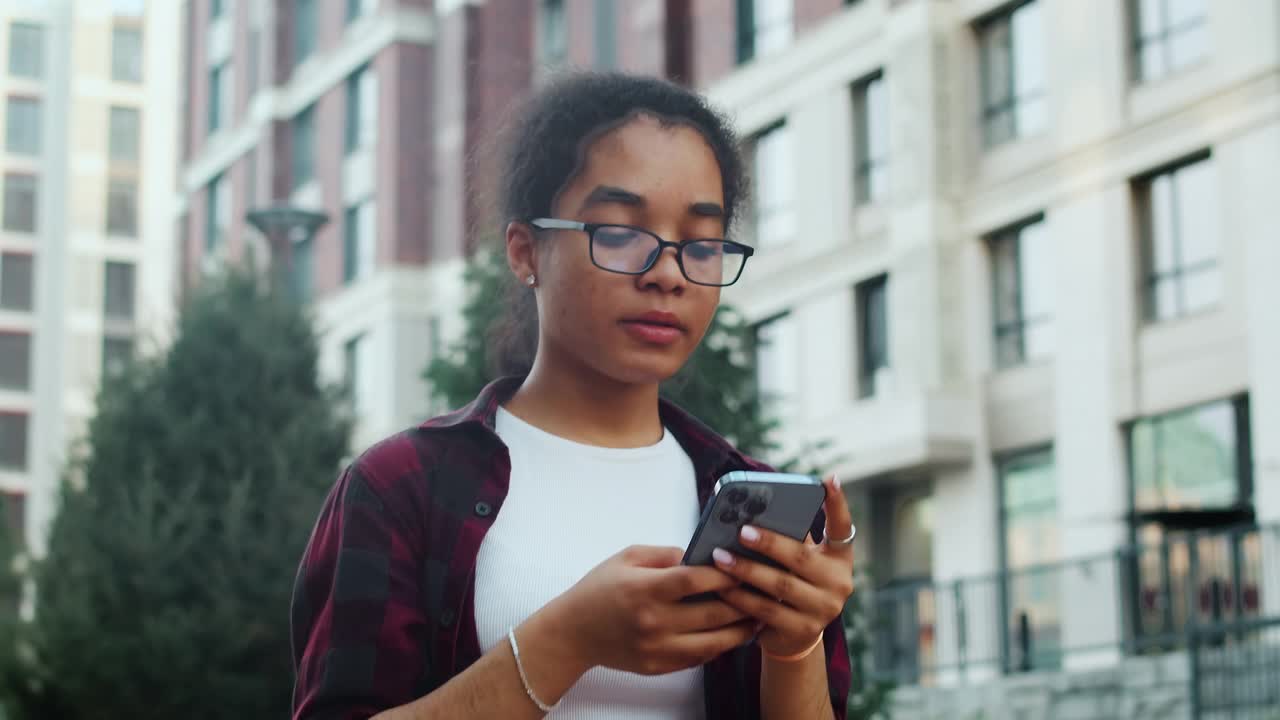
631	250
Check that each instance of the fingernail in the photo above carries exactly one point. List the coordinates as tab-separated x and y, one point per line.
722	556
834	482
750	534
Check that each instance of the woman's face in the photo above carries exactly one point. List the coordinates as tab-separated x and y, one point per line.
628	328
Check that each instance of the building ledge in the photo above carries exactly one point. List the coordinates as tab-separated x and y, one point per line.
901	434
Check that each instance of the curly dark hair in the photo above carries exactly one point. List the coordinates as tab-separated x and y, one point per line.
545	145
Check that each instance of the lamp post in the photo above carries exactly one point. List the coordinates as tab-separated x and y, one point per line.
285	226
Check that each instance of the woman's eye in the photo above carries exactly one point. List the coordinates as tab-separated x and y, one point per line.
702	250
615	237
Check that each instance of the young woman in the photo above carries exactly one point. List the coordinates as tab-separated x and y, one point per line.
522	555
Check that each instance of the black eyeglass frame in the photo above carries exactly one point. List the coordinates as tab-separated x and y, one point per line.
591	228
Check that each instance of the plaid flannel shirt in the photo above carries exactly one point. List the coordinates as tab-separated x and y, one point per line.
383	609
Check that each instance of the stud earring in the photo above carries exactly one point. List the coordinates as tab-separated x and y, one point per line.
531	281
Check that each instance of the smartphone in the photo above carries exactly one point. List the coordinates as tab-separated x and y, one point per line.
782	502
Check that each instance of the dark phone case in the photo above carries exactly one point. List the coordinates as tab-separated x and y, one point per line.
791	502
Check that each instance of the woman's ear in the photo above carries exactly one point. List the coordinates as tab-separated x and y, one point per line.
522	255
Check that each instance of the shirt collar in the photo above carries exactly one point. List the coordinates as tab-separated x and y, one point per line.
706	448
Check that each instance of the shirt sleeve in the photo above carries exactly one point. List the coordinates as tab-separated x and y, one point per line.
838	672
356	623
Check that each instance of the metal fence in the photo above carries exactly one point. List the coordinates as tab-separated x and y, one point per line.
1214	593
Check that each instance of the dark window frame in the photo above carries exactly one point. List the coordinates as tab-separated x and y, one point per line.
34	70
1152	279
122	71
1003	327
1164	39
21	366
13	101
122	225
7	223
19	436
127	273
302	131
873	353
865	164
994	109
11	299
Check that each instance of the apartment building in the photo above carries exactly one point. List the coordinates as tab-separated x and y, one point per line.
1014	261
84	265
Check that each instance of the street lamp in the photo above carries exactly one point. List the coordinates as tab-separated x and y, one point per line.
285	226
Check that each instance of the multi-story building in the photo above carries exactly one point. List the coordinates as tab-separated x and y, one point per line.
1014	262
366	112
83	250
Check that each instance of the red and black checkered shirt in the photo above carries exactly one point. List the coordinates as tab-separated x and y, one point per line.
383	609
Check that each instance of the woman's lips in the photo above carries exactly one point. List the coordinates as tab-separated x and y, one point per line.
652	333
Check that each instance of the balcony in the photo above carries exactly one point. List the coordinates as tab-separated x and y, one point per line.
1197	615
900	431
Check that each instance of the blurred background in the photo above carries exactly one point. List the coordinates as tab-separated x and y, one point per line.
1016	276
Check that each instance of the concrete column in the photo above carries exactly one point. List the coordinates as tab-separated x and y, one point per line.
1091	244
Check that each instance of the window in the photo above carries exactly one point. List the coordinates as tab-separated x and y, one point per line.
358	241
118	299
128	8
873	334
355	373
302	269
126	54
1193	459
777	364
15	518
304	143
362	109
219	96
117	352
122	207
1168	35
253	72
555	33
1179	216
763	26
217	8
1022	272
125	128
775	221
20	207
606	34
305	28
217	212
16	281
15	360
1013	78
22	126
1032	538
13	441
26	50
359	8
871	146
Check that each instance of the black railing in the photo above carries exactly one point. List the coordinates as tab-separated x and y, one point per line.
1196	588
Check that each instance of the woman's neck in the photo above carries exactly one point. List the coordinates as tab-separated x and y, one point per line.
582	405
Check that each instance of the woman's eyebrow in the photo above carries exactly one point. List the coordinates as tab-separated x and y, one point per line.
706	209
611	194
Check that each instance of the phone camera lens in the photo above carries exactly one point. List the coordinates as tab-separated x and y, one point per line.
737	495
729	516
755	506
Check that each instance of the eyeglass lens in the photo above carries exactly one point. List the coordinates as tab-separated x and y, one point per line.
631	251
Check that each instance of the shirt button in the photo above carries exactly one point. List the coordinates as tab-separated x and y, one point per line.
483	509
447	618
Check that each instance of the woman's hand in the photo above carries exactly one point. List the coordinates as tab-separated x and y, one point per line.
801	603
629	613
